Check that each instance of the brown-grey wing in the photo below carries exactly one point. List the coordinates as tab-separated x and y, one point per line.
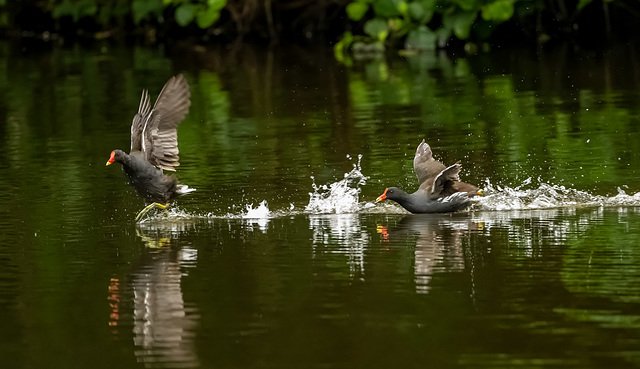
139	120
470	189
424	165
161	134
447	176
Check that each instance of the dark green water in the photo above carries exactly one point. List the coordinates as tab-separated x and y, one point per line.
544	271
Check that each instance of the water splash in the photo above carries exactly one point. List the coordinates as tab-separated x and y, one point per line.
173	213
258	216
260	212
339	197
546	196
342	197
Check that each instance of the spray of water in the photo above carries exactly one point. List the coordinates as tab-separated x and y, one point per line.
342	197
532	194
339	197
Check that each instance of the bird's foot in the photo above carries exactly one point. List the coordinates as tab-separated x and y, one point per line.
149	207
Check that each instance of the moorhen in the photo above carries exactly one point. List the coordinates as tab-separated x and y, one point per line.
154	146
440	188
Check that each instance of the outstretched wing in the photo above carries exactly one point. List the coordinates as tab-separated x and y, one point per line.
446	178
139	120
160	134
424	165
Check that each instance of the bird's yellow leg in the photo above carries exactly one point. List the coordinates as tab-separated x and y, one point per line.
148	208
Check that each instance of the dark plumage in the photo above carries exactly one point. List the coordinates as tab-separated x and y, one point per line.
154	144
440	189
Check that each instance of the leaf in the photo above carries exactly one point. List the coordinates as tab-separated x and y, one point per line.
498	11
402	7
185	14
216	4
355	11
140	10
207	18
419	12
421	38
460	23
468	4
377	28
386	8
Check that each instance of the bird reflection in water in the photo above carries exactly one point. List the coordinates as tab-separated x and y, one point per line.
163	325
439	243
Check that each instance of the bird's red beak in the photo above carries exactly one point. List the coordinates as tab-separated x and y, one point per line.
383	196
111	158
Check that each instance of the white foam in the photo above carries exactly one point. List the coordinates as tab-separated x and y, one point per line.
257	217
540	195
260	212
340	197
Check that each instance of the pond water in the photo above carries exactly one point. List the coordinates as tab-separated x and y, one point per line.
281	259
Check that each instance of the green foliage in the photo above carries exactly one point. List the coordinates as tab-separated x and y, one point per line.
498	11
387	8
412	21
421	38
357	10
185	14
143	8
204	12
377	29
76	9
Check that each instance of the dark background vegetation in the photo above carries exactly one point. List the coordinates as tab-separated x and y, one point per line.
417	24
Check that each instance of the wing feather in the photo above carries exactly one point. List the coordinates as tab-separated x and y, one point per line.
424	165
139	121
160	132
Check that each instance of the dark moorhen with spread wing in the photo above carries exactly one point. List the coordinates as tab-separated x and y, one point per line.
440	188
154	145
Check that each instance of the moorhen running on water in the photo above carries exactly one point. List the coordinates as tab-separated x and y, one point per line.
440	188
154	146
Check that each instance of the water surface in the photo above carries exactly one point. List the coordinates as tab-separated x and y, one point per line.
280	258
